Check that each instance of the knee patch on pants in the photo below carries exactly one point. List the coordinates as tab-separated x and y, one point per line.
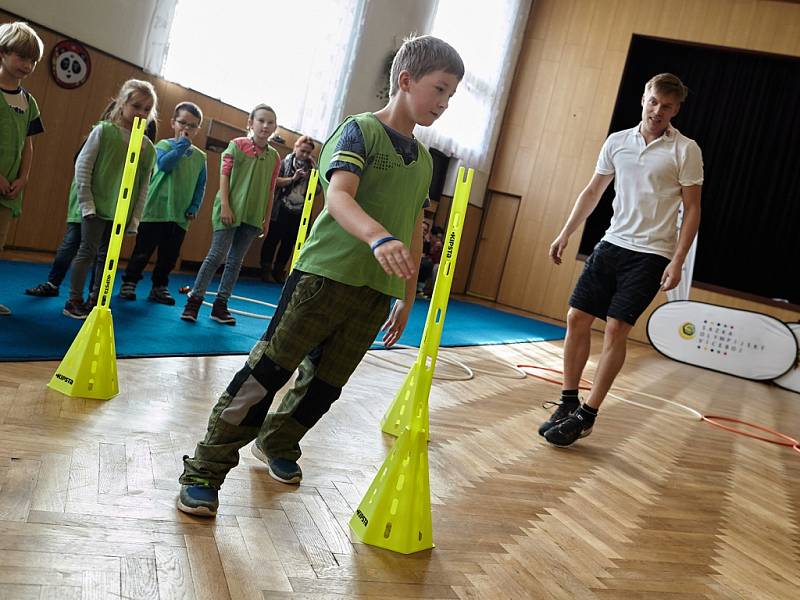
252	391
316	402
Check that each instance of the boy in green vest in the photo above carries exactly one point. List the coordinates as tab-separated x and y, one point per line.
173	199
20	50
362	251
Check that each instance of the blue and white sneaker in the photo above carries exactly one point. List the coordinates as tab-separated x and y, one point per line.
198	499
280	469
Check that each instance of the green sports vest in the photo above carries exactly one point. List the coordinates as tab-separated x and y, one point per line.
250	185
107	174
170	194
390	191
13	135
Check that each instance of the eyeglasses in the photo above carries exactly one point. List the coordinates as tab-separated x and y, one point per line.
186	124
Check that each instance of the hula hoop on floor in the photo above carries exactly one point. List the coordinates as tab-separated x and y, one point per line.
696	414
547	379
796	449
243	312
787	440
401	367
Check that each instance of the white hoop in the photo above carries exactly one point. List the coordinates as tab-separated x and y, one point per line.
697	415
242	312
404	368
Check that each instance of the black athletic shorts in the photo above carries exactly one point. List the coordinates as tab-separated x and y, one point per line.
618	283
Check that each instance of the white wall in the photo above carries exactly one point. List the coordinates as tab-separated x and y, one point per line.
387	22
118	27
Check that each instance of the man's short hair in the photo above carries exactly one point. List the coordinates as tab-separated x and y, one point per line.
422	55
20	38
669	85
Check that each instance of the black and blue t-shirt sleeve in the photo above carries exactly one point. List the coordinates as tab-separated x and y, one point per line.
350	153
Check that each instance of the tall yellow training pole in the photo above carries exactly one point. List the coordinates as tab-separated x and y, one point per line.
417	384
307	206
89	369
395	513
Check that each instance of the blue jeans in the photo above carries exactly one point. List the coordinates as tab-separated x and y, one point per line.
228	245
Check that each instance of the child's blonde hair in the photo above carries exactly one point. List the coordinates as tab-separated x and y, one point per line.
669	85
422	55
21	39
128	89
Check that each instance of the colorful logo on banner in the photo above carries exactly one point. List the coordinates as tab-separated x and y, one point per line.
687	331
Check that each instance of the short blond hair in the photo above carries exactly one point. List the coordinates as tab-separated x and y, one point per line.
669	85
420	55
20	38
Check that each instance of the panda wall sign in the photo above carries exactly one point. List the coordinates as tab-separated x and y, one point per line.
70	64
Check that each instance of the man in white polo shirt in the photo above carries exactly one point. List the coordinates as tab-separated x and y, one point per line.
655	168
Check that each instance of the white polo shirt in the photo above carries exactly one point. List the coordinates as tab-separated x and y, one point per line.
648	181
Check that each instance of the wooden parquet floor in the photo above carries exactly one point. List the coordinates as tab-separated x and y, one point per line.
651	505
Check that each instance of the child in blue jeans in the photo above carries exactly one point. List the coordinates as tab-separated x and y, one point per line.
248	171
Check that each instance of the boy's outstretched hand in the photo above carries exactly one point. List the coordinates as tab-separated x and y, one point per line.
395	259
396	323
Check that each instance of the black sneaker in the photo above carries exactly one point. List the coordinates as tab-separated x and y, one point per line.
43	290
191	309
76	309
128	290
162	296
564	410
221	314
569	430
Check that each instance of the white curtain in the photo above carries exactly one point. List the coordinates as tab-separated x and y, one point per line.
488	35
295	56
156	44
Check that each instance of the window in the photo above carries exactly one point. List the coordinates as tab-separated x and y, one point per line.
295	56
488	40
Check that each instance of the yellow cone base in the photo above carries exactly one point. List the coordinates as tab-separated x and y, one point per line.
395	513
89	369
398	415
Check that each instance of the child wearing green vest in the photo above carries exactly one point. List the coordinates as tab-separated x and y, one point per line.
173	199
95	187
248	172
20	50
362	252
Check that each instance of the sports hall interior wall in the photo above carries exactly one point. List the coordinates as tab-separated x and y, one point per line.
561	103
69	114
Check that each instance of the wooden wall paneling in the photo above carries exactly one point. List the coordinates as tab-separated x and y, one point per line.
556	34
466	250
598	37
566	48
492	245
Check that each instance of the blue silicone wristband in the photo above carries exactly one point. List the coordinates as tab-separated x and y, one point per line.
382	241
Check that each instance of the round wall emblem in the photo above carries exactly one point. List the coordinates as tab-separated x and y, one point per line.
70	64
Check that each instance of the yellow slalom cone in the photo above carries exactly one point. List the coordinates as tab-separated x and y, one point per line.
417	384
89	369
395	513
307	206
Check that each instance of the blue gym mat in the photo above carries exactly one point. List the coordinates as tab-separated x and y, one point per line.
38	331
